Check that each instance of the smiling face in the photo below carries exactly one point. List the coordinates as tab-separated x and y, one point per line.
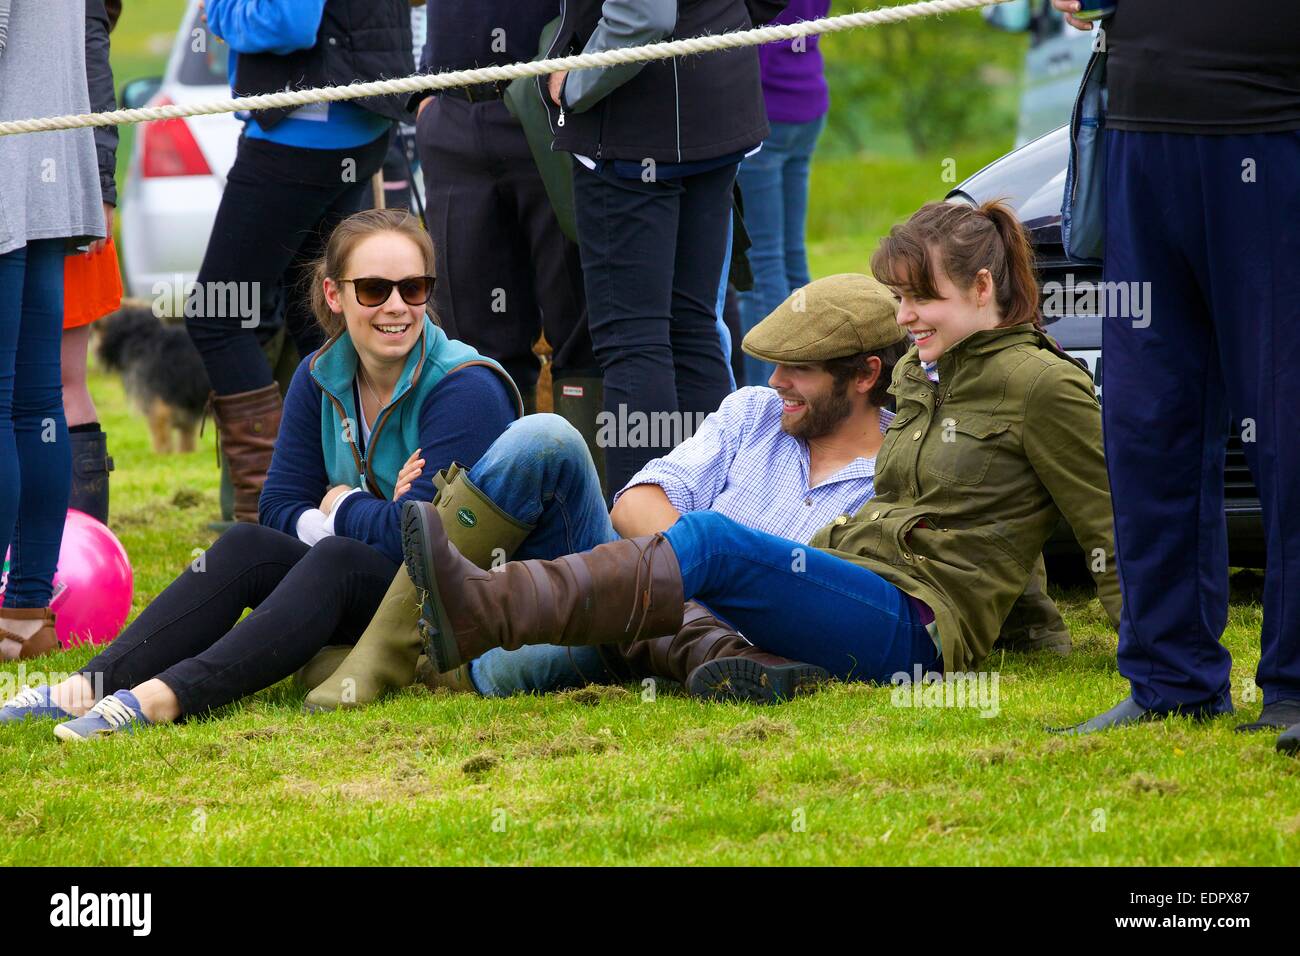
812	404
382	334
938	323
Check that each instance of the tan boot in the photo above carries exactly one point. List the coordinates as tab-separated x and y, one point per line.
385	657
44	640
616	592
715	662
247	424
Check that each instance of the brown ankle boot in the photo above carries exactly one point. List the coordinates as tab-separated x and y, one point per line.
247	424
615	592
13	647
714	662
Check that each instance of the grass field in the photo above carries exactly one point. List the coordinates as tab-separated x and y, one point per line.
601	775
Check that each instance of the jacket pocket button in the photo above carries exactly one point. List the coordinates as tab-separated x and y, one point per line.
916	434
875	515
842	519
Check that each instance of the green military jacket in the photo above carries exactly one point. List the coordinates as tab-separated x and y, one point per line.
973	477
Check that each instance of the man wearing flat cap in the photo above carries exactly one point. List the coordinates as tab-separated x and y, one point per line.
787	460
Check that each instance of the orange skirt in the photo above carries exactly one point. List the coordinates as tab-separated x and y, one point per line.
92	286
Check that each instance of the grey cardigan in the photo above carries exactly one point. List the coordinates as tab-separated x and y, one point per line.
49	182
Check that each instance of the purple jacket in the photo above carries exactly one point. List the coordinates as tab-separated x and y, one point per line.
794	85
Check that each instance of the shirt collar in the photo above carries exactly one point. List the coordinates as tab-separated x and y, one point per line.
858	468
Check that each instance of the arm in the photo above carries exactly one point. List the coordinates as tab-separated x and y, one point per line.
463	415
266	26
296	480
1063	441
99	80
643	509
623	23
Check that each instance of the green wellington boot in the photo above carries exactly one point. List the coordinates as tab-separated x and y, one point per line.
387	654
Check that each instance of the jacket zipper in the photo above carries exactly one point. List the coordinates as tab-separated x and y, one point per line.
677	107
550	53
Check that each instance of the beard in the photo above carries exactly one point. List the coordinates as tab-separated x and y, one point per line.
820	417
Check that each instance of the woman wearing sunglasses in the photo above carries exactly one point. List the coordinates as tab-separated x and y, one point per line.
387	394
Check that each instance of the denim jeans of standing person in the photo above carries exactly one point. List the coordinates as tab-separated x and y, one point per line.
35	455
831	613
774	185
652	257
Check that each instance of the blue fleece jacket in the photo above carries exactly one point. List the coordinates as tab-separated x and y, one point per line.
280	27
462	416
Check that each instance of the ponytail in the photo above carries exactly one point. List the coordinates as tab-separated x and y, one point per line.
966	239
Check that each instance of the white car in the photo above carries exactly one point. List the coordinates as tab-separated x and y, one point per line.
178	167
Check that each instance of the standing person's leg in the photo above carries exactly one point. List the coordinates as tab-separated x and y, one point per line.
1165	429
794	188
832	613
337	200
724	330
40	436
482	295
761	185
1251	264
703	378
627	231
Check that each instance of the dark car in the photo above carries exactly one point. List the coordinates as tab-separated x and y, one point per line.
1032	179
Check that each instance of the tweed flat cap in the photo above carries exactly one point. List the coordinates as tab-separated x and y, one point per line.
833	317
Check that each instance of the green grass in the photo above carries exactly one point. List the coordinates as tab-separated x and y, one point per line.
601	776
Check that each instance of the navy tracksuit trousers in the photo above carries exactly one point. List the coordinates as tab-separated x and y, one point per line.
1212	223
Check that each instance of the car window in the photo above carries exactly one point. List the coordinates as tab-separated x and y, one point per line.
204	60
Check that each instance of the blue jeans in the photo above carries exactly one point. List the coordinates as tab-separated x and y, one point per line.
799	602
35	455
774	184
540	473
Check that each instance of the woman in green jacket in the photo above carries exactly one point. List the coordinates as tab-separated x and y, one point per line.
997	436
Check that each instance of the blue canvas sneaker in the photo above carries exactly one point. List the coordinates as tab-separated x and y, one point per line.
32	703
120	711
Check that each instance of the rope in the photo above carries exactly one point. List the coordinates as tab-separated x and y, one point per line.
491	74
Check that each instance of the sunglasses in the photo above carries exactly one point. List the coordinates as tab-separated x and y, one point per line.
372	290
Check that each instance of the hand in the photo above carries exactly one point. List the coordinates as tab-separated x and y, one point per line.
423	103
332	496
108	231
410	471
1068	7
555	86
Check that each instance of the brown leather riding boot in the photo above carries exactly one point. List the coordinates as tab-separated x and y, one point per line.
44	640
714	662
616	592
247	424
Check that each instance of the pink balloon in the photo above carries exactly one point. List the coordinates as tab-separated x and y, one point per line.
92	585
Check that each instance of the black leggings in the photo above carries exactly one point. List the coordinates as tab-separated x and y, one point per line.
303	599
278	209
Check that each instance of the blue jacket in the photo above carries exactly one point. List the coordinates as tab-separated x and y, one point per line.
450	401
252	27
